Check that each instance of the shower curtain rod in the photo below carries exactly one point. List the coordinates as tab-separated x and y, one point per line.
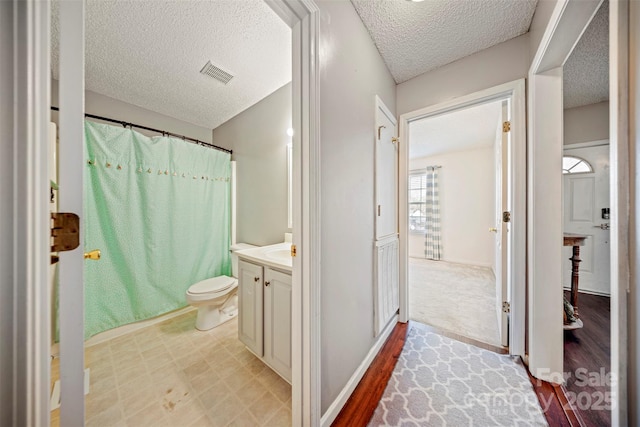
163	132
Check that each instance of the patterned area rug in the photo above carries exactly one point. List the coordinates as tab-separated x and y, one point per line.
442	382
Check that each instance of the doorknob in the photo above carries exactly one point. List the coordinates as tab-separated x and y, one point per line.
93	255
493	230
603	226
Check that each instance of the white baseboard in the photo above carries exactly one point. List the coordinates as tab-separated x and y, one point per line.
590	292
332	411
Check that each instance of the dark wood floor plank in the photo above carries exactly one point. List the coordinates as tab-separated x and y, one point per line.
589	350
363	401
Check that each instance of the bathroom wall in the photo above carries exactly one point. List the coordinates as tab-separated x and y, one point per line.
587	123
102	105
258	138
351	74
467	206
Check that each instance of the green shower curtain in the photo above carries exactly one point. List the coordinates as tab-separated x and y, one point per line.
159	210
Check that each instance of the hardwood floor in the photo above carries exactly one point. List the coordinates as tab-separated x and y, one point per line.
552	400
587	357
363	401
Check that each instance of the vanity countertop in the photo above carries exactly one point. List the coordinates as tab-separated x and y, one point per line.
276	256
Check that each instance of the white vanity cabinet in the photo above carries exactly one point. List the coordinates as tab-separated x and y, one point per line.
250	306
264	317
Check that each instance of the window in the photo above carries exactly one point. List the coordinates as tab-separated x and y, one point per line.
572	164
417	202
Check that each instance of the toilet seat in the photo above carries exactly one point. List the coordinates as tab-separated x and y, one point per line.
214	285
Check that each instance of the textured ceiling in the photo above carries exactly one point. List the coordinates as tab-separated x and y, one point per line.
460	130
150	53
586	72
414	38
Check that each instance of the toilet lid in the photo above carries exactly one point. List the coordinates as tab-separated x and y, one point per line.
215	284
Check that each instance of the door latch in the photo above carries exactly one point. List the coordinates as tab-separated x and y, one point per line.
506	216
65	231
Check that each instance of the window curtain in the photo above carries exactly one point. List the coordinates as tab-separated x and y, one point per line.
433	241
159	210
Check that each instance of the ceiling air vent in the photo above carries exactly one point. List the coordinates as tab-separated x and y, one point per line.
219	74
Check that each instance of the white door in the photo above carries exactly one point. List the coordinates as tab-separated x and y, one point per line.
502	227
277	321
585	197
71	164
386	172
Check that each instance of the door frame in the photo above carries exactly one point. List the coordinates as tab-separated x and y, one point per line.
515	91
28	187
24	224
568	21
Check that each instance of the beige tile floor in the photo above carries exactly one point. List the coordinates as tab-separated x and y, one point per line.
170	374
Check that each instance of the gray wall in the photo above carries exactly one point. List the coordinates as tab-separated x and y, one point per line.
539	23
105	106
352	73
6	215
587	123
499	64
258	137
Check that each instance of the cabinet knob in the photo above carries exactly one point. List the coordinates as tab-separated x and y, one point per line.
267	283
256	279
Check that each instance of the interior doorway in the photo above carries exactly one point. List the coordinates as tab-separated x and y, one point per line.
586	219
462	217
303	20
455	236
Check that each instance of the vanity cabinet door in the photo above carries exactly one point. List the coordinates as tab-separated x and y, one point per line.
277	321
250	306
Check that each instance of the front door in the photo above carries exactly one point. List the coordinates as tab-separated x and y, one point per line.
586	204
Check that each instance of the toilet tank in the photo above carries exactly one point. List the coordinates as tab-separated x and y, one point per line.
234	257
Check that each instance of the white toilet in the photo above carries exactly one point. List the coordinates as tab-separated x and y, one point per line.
216	298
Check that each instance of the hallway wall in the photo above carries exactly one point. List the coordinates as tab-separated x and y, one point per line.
352	72
586	123
499	64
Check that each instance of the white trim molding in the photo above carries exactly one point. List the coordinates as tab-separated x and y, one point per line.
24	224
515	91
544	193
334	410
624	26
303	17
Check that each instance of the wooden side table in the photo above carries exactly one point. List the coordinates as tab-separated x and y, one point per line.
575	240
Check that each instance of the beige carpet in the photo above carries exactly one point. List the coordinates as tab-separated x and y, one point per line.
455	297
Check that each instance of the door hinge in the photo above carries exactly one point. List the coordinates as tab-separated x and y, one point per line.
65	231
506	307
506	126
506	216
294	251
379	210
